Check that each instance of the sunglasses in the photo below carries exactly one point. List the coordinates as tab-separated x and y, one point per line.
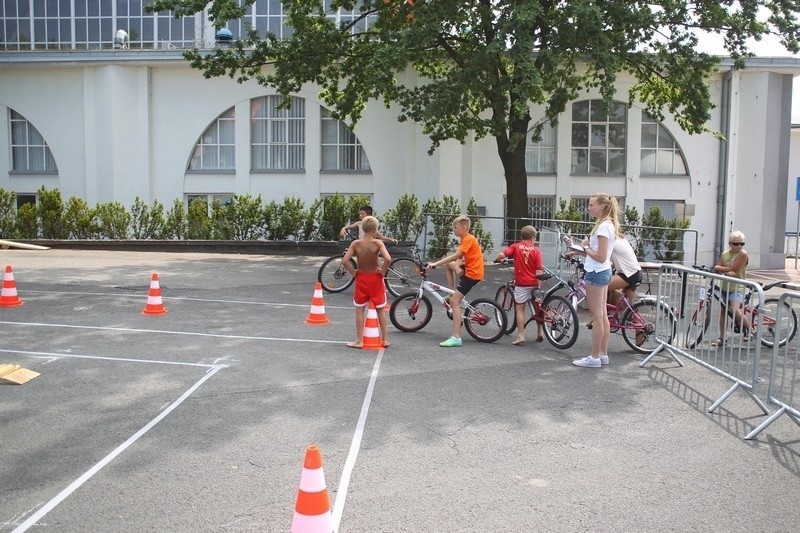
736	243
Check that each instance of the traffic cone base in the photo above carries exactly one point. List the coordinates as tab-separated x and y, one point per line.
8	294
312	510
371	339
154	304
317	314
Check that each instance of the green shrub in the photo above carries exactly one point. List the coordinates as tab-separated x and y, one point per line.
8	213
476	224
175	225
662	237
290	217
270	219
333	217
439	225
50	209
79	220
310	224
27	225
147	222
244	216
572	219
198	223
404	221
113	220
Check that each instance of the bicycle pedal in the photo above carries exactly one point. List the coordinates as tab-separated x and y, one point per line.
589	325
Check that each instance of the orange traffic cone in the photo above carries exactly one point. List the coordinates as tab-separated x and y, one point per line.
371	339
154	304
8	295
317	314
312	510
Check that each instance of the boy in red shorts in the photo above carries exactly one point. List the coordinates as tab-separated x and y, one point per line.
369	278
470	251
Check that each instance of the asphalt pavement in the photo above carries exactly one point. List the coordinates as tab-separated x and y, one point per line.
198	420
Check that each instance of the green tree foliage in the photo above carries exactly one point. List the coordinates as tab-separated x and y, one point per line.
484	64
573	220
663	237
476	228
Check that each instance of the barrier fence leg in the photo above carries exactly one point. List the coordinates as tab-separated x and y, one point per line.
767	422
655	352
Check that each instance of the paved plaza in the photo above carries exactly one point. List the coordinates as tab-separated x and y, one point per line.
198	420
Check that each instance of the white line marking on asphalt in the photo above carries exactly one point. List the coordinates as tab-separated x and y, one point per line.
56	356
139	296
167	332
61	496
344	482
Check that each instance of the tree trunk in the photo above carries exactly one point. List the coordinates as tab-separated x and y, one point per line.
516	185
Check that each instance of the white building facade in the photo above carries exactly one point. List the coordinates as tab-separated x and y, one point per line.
112	124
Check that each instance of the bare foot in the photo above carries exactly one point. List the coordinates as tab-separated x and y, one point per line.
386	343
355	344
539	338
518	342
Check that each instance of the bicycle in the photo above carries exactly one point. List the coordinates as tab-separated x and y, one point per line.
635	320
770	329
403	273
483	319
558	318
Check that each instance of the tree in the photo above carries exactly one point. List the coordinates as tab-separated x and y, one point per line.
481	64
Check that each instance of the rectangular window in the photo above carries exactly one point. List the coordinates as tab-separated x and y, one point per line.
598	138
277	136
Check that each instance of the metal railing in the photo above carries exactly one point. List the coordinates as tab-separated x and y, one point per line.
738	357
784	371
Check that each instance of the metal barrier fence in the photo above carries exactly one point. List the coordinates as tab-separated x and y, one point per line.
697	299
652	244
784	375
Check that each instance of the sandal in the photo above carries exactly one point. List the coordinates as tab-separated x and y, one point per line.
719	343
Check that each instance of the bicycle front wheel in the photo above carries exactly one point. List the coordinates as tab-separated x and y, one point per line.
505	298
402	276
410	312
333	276
698	326
560	322
771	330
485	320
647	321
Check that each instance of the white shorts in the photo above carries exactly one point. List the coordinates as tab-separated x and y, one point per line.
524	294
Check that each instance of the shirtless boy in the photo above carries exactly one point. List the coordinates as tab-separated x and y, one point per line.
369	278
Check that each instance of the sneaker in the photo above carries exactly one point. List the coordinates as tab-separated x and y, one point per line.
452	342
588	362
604	360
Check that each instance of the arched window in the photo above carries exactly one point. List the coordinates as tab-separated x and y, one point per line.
598	138
660	153
29	152
216	148
540	157
277	136
341	149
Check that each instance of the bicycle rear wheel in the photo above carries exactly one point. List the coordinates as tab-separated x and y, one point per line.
699	325
560	322
505	298
410	312
772	331
402	276
333	276
645	322
485	320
